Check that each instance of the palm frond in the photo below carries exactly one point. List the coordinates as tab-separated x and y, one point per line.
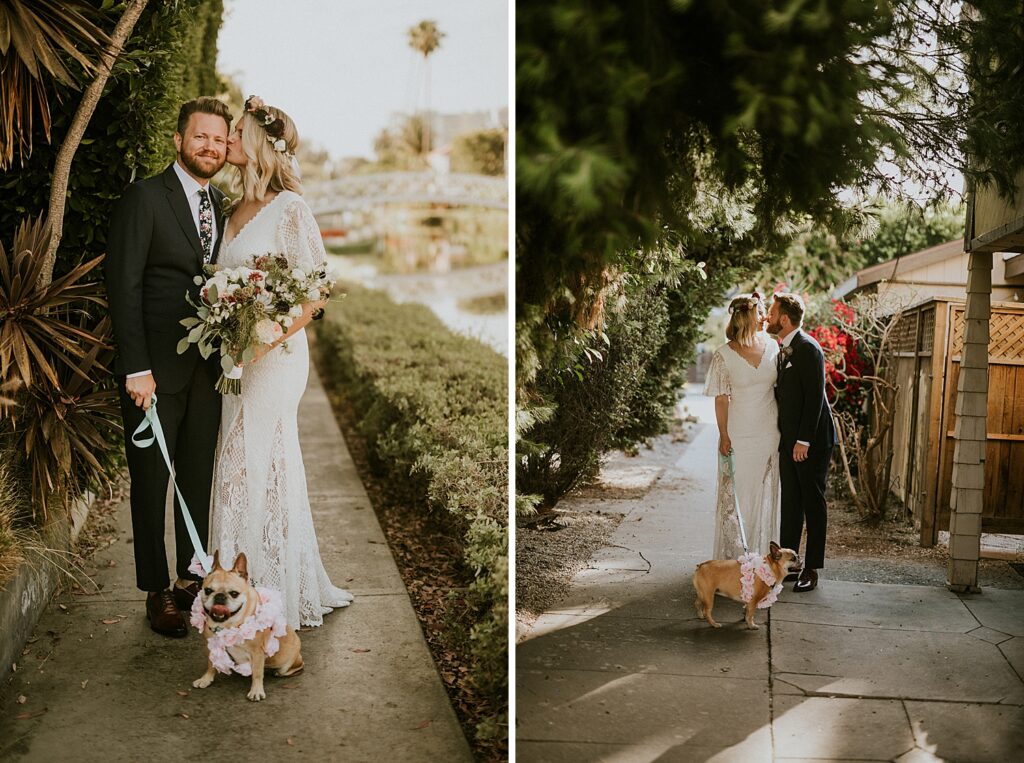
425	37
65	426
36	36
42	330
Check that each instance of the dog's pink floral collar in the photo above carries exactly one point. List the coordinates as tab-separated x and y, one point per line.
750	565
269	614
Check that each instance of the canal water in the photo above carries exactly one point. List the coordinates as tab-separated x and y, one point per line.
447	294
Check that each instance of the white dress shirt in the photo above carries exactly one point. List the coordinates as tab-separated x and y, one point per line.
786	343
192	187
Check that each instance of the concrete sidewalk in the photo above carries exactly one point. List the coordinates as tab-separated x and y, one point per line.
99	685
622	669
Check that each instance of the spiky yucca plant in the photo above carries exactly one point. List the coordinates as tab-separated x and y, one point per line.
38	333
64	428
63	411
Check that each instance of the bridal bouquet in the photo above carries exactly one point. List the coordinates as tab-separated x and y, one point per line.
243	308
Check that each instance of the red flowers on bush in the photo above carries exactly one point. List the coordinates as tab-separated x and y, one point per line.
843	362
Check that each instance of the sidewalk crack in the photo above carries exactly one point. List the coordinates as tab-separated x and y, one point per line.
1016	672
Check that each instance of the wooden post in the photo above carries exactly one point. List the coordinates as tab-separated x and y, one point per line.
935	439
966	500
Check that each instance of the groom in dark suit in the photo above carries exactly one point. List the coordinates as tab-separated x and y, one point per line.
807	435
162	232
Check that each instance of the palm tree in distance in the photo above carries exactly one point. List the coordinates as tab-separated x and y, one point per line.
425	38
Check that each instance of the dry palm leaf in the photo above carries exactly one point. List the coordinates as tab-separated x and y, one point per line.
39	331
35	35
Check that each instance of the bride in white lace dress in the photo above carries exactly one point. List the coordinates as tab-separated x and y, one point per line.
259	503
741	378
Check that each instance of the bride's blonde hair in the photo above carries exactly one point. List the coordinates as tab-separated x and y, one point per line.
745	317
267	169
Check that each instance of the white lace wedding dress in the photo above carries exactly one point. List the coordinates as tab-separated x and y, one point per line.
259	503
753	429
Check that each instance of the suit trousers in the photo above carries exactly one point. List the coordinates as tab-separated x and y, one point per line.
190	419
803	501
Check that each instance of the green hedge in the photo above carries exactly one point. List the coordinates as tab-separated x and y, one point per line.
435	411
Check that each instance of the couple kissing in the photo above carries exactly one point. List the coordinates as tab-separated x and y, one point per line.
775	423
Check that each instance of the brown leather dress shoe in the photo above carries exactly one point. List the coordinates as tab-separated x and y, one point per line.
808	581
163	615
183	597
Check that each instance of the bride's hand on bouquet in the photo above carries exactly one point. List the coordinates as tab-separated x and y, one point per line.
258	352
261	350
724	445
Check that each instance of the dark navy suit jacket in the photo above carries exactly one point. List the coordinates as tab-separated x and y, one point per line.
804	412
153	257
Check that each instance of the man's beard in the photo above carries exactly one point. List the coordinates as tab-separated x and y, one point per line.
774	328
193	166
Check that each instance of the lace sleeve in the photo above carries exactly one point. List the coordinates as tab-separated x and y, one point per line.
717	381
299	236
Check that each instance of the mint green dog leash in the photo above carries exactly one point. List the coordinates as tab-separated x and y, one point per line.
152	421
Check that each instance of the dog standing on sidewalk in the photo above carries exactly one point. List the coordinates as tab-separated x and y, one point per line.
751	579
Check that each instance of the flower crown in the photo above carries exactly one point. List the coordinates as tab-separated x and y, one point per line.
273	126
749	303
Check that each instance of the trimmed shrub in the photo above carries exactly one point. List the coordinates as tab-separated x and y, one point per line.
435	417
594	399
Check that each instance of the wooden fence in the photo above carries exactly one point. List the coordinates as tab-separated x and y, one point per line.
927	344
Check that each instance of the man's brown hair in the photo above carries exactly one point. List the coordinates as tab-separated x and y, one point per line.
204	104
792	306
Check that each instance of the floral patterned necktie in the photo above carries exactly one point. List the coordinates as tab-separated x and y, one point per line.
205	225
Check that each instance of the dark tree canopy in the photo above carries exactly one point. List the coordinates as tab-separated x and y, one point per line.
627	112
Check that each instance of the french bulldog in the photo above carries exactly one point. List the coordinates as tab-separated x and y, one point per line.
226	600
725	575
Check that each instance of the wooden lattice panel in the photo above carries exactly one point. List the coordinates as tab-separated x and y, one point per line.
956	344
927	330
904	334
1006	335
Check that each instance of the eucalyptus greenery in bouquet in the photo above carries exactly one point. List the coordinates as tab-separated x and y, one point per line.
240	309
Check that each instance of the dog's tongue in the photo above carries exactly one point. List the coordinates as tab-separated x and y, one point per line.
220	610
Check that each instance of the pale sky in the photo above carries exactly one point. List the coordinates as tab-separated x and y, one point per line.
340	68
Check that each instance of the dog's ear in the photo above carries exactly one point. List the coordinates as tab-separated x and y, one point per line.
241	566
773	547
216	560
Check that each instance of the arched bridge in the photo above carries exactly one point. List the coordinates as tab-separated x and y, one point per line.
360	191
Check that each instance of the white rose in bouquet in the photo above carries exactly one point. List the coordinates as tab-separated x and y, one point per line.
242	308
268	331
